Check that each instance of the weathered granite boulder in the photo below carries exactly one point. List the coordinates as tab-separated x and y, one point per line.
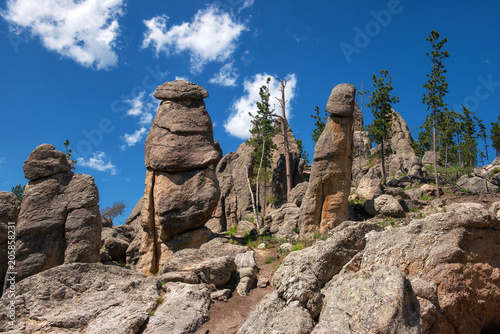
428	158
370	184
184	309
182	189
475	184
285	222
297	193
325	204
59	220
378	301
45	161
452	261
384	205
181	136
9	210
82	298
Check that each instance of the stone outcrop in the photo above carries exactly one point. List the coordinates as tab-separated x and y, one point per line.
428	158
59	220
115	242
9	210
285	222
384	205
135	217
439	274
181	189
484	179
370	184
325	204
235	202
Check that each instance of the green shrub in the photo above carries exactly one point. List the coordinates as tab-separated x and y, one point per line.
322	236
414	210
269	259
233	230
159	301
298	246
494	171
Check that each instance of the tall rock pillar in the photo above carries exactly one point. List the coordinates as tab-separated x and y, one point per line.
181	187
325	204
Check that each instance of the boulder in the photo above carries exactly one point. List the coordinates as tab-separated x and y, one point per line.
303	273
297	193
285	222
181	136
9	210
452	262
183	310
82	298
381	301
428	158
245	260
59	220
45	161
273	315
384	205
247	279
475	184
325	204
370	184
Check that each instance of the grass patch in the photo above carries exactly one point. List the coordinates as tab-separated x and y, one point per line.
159	301
268	240
466	191
354	202
414	210
300	245
269	259
494	171
322	236
232	230
425	197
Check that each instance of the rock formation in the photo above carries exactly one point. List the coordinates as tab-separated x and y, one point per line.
485	179
181	187
235	202
325	204
436	275
59	220
9	210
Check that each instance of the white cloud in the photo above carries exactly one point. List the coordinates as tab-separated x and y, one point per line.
239	122
100	162
134	138
142	106
247	4
177	77
211	36
226	76
84	30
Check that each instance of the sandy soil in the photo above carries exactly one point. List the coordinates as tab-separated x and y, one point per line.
227	317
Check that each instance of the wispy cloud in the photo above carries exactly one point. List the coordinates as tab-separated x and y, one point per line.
226	76
142	106
2	161
210	37
134	138
85	31
239	122
99	161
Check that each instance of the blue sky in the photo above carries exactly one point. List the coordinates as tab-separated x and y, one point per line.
85	70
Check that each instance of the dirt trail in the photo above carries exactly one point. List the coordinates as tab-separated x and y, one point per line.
228	317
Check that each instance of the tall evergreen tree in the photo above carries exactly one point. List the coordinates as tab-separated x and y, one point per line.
381	104
469	144
482	134
263	131
447	128
495	135
437	87
424	141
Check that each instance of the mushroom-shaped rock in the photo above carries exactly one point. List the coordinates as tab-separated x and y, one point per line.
180	90
45	161
341	101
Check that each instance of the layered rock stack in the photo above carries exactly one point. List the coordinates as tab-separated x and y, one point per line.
59	220
325	204
9	210
181	187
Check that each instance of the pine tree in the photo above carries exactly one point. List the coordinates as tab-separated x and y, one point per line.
483	136
263	131
319	124
424	142
437	88
447	128
18	191
303	154
469	145
495	135
381	103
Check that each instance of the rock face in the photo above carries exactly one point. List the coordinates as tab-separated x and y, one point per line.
325	204
384	205
436	275
83	298
9	210
428	158
59	220
181	187
235	202
135	217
